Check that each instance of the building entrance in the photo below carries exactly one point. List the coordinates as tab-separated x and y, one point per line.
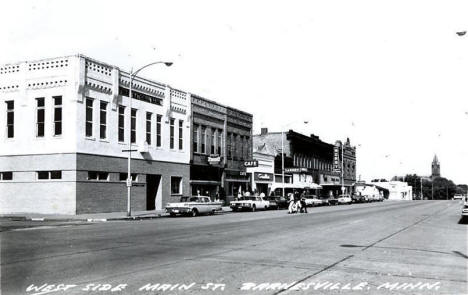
152	187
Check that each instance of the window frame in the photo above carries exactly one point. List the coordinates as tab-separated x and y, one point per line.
103	105
181	135
89	121
58	121
121	121
180	186
10	111
149	118
171	133
40	125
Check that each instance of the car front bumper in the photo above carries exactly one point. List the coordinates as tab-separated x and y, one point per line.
178	210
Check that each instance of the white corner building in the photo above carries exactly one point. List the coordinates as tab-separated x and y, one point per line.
65	125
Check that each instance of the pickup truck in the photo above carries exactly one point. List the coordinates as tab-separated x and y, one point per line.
251	203
193	206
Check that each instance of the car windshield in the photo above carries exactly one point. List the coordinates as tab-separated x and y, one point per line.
189	199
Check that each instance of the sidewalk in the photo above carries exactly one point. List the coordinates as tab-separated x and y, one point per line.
94	217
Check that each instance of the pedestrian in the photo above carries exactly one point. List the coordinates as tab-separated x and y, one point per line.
198	192
291	203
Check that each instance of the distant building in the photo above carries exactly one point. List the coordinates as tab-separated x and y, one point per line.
395	190
307	160
435	167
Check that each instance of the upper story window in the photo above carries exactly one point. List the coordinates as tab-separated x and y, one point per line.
148	127
40	116
89	117
212	141
102	120
228	145
42	175
57	115
10	118
171	132
133	125
121	123
181	134
220	141
158	130
98	175
203	140
195	138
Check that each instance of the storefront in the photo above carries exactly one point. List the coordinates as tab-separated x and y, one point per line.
262	182
206	180
236	182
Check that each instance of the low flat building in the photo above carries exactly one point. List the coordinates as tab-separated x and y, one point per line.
397	190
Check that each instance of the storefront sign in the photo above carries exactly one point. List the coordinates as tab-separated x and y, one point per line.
214	159
295	170
253	163
259	176
336	159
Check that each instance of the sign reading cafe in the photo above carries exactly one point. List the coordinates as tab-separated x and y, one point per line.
253	163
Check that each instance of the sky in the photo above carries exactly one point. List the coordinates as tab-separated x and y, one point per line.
390	75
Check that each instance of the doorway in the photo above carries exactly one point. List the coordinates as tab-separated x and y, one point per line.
152	189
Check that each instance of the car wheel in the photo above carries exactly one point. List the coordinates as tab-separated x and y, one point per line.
172	214
194	212
253	208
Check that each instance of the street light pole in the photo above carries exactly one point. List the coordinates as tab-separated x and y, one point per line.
282	160
129	160
342	172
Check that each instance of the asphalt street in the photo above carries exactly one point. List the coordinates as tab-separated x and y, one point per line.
416	247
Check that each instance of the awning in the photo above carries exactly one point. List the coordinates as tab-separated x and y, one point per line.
237	180
206	182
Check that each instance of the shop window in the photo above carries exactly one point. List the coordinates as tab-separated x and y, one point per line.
98	175
176	185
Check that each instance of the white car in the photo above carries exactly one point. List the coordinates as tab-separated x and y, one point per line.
251	203
193	206
312	201
345	199
465	210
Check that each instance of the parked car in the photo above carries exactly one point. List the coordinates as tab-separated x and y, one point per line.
344	199
312	200
358	198
277	202
251	203
464	214
193	206
330	201
458	197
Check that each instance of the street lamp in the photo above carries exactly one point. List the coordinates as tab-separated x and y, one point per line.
129	175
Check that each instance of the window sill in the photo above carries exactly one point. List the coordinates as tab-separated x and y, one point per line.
104	140
90	138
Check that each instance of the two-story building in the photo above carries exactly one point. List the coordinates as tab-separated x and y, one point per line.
221	143
67	123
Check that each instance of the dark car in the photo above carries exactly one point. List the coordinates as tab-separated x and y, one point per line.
357	198
330	201
277	202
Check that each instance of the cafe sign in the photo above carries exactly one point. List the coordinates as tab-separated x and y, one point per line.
253	163
259	176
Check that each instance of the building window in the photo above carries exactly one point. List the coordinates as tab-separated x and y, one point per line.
103	120
148	127
97	175
10	118
228	145
176	185
203	140
123	176
247	148
220	141
158	130
212	141
89	117
181	134
8	175
42	175
57	115
133	115
195	138
121	123
40	116
171	132
242	147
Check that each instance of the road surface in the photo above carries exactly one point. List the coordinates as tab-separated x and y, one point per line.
415	247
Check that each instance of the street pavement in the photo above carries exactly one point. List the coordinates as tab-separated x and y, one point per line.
409	247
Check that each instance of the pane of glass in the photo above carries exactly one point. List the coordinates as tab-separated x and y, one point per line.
121	135
102	118
42	175
103	175
56	174
58	128
7	175
102	132
10	118
89	115
89	129
58	114
40	102
57	100
40	129
11	132
92	175
40	115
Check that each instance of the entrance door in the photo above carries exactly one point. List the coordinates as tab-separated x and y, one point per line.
152	188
